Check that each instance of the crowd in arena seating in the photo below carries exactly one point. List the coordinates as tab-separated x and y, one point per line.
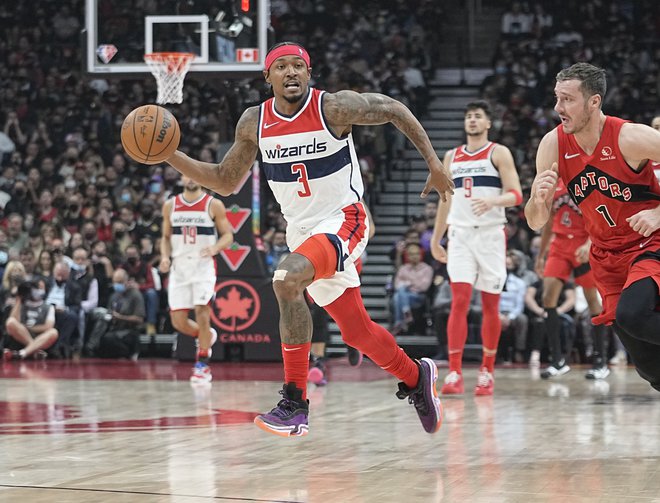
537	40
74	208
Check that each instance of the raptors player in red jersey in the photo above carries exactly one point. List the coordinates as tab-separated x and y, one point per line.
567	244
605	163
305	139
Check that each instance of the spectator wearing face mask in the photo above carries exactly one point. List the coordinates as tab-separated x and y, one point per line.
103	270
116	331
149	224
72	218
83	274
19	202
66	296
142	272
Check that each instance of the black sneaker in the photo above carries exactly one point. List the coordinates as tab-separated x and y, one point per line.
597	372
425	396
290	417
555	370
354	356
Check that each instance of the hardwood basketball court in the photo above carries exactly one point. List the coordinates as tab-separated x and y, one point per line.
108	431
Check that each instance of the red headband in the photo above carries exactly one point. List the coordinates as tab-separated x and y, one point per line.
286	50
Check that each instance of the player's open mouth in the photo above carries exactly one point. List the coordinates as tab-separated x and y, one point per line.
292	85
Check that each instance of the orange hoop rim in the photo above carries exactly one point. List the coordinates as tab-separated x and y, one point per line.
163	55
184	58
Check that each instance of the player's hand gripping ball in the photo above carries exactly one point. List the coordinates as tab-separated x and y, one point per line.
150	134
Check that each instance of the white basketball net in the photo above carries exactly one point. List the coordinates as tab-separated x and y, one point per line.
170	69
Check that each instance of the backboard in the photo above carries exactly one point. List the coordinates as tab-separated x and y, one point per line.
225	35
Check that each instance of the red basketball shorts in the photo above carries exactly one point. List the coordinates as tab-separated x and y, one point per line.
561	262
333	247
616	270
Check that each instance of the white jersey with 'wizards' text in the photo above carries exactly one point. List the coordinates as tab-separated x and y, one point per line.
313	173
193	228
475	176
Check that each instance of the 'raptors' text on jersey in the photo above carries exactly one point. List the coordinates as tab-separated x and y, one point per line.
193	228
606	189
567	220
475	176
313	173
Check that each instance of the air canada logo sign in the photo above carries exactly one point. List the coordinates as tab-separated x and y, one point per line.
237	307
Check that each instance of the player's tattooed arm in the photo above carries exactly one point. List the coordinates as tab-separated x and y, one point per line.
223	178
347	108
242	154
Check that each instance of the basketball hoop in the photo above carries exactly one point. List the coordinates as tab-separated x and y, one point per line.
170	69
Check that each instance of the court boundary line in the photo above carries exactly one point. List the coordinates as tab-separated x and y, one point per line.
145	493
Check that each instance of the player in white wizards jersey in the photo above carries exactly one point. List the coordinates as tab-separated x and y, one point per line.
191	224
486	182
304	136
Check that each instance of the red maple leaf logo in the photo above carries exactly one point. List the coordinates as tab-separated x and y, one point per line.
234	307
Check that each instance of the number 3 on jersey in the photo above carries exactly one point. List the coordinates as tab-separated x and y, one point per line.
301	170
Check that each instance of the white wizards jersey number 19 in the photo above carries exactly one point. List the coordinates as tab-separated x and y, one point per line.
193	229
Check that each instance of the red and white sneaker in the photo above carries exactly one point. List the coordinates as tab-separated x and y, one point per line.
453	384
201	374
485	383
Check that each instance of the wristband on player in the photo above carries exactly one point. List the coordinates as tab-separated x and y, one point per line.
518	196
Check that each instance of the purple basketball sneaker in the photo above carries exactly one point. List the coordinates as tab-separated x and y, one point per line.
425	396
289	418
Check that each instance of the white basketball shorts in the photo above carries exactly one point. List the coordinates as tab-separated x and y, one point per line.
350	231
477	255
192	282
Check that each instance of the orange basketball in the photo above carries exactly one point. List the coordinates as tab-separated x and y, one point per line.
150	134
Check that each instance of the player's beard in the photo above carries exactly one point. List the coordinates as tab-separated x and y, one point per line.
582	124
192	187
294	99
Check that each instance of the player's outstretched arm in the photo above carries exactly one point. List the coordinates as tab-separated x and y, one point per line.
165	241
440	225
223	178
219	214
537	209
347	108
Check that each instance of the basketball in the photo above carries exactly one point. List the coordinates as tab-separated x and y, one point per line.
150	134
